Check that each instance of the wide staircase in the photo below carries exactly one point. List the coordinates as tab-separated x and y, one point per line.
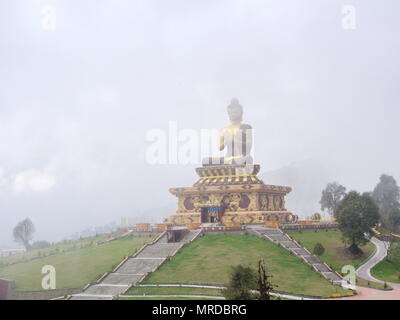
282	239
133	269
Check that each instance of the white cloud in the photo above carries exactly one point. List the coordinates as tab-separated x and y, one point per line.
34	180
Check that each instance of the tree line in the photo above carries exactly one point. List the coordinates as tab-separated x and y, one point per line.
357	213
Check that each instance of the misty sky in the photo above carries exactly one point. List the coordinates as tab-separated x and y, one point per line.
77	101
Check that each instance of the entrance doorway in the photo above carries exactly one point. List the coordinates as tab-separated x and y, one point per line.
210	214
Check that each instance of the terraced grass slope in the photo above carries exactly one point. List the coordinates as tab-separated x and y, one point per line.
208	260
74	269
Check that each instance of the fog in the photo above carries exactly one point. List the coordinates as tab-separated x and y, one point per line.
78	98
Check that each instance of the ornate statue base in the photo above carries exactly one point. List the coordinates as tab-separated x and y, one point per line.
232	195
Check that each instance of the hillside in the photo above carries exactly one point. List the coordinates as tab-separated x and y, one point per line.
209	259
75	268
335	253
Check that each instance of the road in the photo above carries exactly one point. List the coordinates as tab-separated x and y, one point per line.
364	271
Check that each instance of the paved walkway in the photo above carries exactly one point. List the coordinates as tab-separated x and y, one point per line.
205	286
364	271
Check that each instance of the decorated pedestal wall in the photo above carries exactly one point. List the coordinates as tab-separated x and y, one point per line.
231	194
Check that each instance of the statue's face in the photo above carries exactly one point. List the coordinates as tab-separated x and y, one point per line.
235	114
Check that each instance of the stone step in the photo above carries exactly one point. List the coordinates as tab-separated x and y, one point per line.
111	290
290	244
139	266
120	278
279	238
133	269
312	259
271	232
300	251
321	267
332	276
158	250
188	237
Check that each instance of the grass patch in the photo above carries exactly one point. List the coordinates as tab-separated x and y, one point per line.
336	254
164	298
173	290
74	269
54	249
371	284
387	271
208	260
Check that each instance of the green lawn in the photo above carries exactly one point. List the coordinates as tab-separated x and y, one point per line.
387	271
164	298
57	248
173	290
208	260
371	284
76	268
335	253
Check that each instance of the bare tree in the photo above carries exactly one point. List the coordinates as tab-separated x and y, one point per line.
264	285
23	233
331	197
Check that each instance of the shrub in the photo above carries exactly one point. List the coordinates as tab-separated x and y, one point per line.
242	281
319	249
316	216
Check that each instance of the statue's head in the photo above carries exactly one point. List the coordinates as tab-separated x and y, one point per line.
235	111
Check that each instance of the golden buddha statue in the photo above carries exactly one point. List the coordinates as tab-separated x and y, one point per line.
236	138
